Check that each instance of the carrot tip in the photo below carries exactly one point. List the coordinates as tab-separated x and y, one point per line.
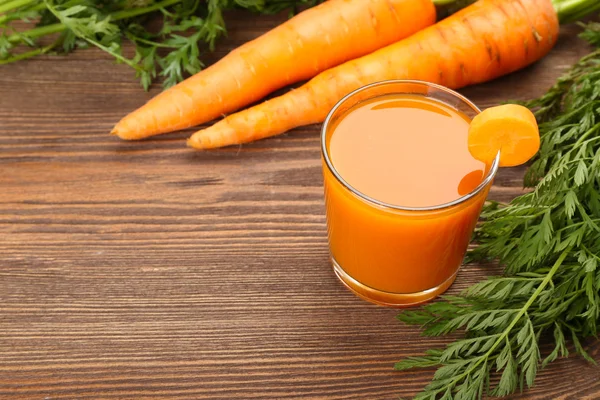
194	143
124	134
119	132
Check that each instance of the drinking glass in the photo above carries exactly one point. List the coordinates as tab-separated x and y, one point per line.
390	254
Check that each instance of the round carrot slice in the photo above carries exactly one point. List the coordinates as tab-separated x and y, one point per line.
509	129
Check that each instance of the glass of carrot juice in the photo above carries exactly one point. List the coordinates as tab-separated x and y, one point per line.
402	192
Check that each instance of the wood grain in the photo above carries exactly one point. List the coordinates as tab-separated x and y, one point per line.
147	270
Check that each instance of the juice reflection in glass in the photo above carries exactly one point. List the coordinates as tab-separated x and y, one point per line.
402	192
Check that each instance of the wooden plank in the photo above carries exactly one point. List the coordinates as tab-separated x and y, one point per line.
147	270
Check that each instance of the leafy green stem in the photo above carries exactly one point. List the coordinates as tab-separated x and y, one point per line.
586	134
503	336
468	376
14	4
116	16
134	12
152	43
21	14
36	32
29	54
575	224
571	10
78	33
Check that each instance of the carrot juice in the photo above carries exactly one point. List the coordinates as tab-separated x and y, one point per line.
402	192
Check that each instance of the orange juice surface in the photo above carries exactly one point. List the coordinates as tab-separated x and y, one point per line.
405	151
408	151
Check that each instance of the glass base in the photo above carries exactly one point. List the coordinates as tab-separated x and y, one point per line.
389	299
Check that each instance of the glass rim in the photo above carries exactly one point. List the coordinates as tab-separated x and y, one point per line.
484	183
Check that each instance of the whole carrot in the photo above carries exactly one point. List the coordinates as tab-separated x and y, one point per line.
313	41
488	39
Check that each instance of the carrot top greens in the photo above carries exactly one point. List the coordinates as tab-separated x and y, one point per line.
548	241
188	28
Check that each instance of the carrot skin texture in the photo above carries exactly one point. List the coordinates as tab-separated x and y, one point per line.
486	40
313	41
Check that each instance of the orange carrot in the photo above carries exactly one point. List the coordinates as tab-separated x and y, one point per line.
488	39
510	129
313	41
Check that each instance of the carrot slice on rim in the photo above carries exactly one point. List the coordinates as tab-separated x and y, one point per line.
510	129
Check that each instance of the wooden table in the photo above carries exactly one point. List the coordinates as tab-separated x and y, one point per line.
148	270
